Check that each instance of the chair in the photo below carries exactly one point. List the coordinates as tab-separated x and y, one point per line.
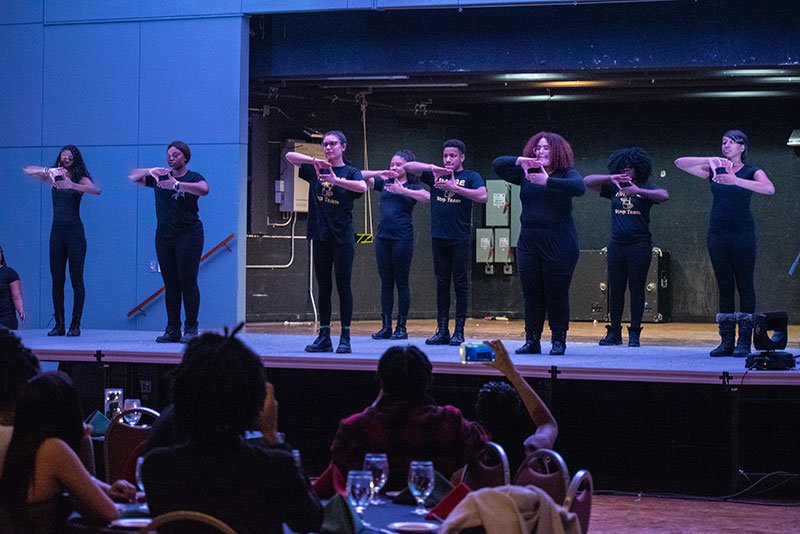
488	469
547	470
177	517
122	441
579	498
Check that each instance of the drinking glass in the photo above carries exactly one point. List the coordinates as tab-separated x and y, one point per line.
297	460
420	482
132	418
378	465
139	483
359	490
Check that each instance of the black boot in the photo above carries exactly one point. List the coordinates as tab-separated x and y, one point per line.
400	331
344	342
189	333
323	341
558	341
442	335
386	330
172	334
633	336
745	321
727	331
613	335
458	331
532	344
75	326
58	329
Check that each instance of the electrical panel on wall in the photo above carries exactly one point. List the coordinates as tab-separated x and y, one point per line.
291	191
497	207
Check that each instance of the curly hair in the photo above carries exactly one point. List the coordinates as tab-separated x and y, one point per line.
78	170
561	156
455	143
408	155
631	158
404	371
17	366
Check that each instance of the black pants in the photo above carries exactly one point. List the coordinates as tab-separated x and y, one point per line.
733	257
179	258
451	260
68	245
546	257
627	266
331	256
9	320
394	265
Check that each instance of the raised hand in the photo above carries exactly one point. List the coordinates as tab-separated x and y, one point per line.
388	175
157	172
324	170
721	171
63	184
167	183
619	179
393	187
502	361
534	170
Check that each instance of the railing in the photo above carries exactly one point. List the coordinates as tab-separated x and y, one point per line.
151	298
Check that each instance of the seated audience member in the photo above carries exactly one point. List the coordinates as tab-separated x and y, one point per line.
218	391
499	410
17	366
406	424
41	462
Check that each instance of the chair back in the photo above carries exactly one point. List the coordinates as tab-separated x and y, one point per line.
176	522
579	498
547	470
122	441
488	469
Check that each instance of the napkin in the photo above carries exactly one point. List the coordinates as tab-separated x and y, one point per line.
340	518
446	505
441	487
99	423
331	482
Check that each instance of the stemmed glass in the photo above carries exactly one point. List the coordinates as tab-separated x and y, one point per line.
359	490
139	482
130	404
420	482
378	465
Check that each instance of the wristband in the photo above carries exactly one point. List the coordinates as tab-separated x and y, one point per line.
175	187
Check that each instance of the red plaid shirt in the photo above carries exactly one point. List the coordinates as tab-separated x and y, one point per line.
407	430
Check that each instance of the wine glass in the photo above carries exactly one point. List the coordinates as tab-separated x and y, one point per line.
420	482
139	483
359	490
378	464
130	404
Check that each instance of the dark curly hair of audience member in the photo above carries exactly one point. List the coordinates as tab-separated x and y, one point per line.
219	389
631	158
48	407
78	169
17	366
404	371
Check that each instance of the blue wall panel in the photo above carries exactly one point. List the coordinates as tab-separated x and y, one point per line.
180	8
21	69
21	11
76	10
91	87
191	80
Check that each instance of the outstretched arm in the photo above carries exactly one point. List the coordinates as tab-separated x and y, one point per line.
759	184
595	181
139	176
420	195
44	174
84	186
696	166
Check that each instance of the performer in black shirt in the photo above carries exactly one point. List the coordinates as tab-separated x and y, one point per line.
10	296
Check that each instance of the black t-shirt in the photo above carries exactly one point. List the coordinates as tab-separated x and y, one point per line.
66	204
730	212
542	205
396	213
451	214
7	276
630	214
175	212
330	207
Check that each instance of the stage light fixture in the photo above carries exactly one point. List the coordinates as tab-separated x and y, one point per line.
772	357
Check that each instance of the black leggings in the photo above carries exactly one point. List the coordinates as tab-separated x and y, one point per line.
451	260
179	259
329	256
394	265
733	257
546	258
9	320
68	244
627	265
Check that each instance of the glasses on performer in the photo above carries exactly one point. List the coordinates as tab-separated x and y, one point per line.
327	144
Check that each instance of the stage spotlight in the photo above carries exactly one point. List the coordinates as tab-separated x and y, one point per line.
772	357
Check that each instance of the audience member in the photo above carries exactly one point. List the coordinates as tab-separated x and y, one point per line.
17	366
406	424
218	391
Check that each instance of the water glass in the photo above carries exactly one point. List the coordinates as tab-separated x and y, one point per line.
139	483
378	465
420	482
297	460
130	404
359	490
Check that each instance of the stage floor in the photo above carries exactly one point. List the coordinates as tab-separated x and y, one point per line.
672	352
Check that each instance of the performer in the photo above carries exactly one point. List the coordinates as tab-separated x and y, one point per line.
179	237
547	250
630	248
394	244
732	235
10	296
334	185
456	189
69	180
